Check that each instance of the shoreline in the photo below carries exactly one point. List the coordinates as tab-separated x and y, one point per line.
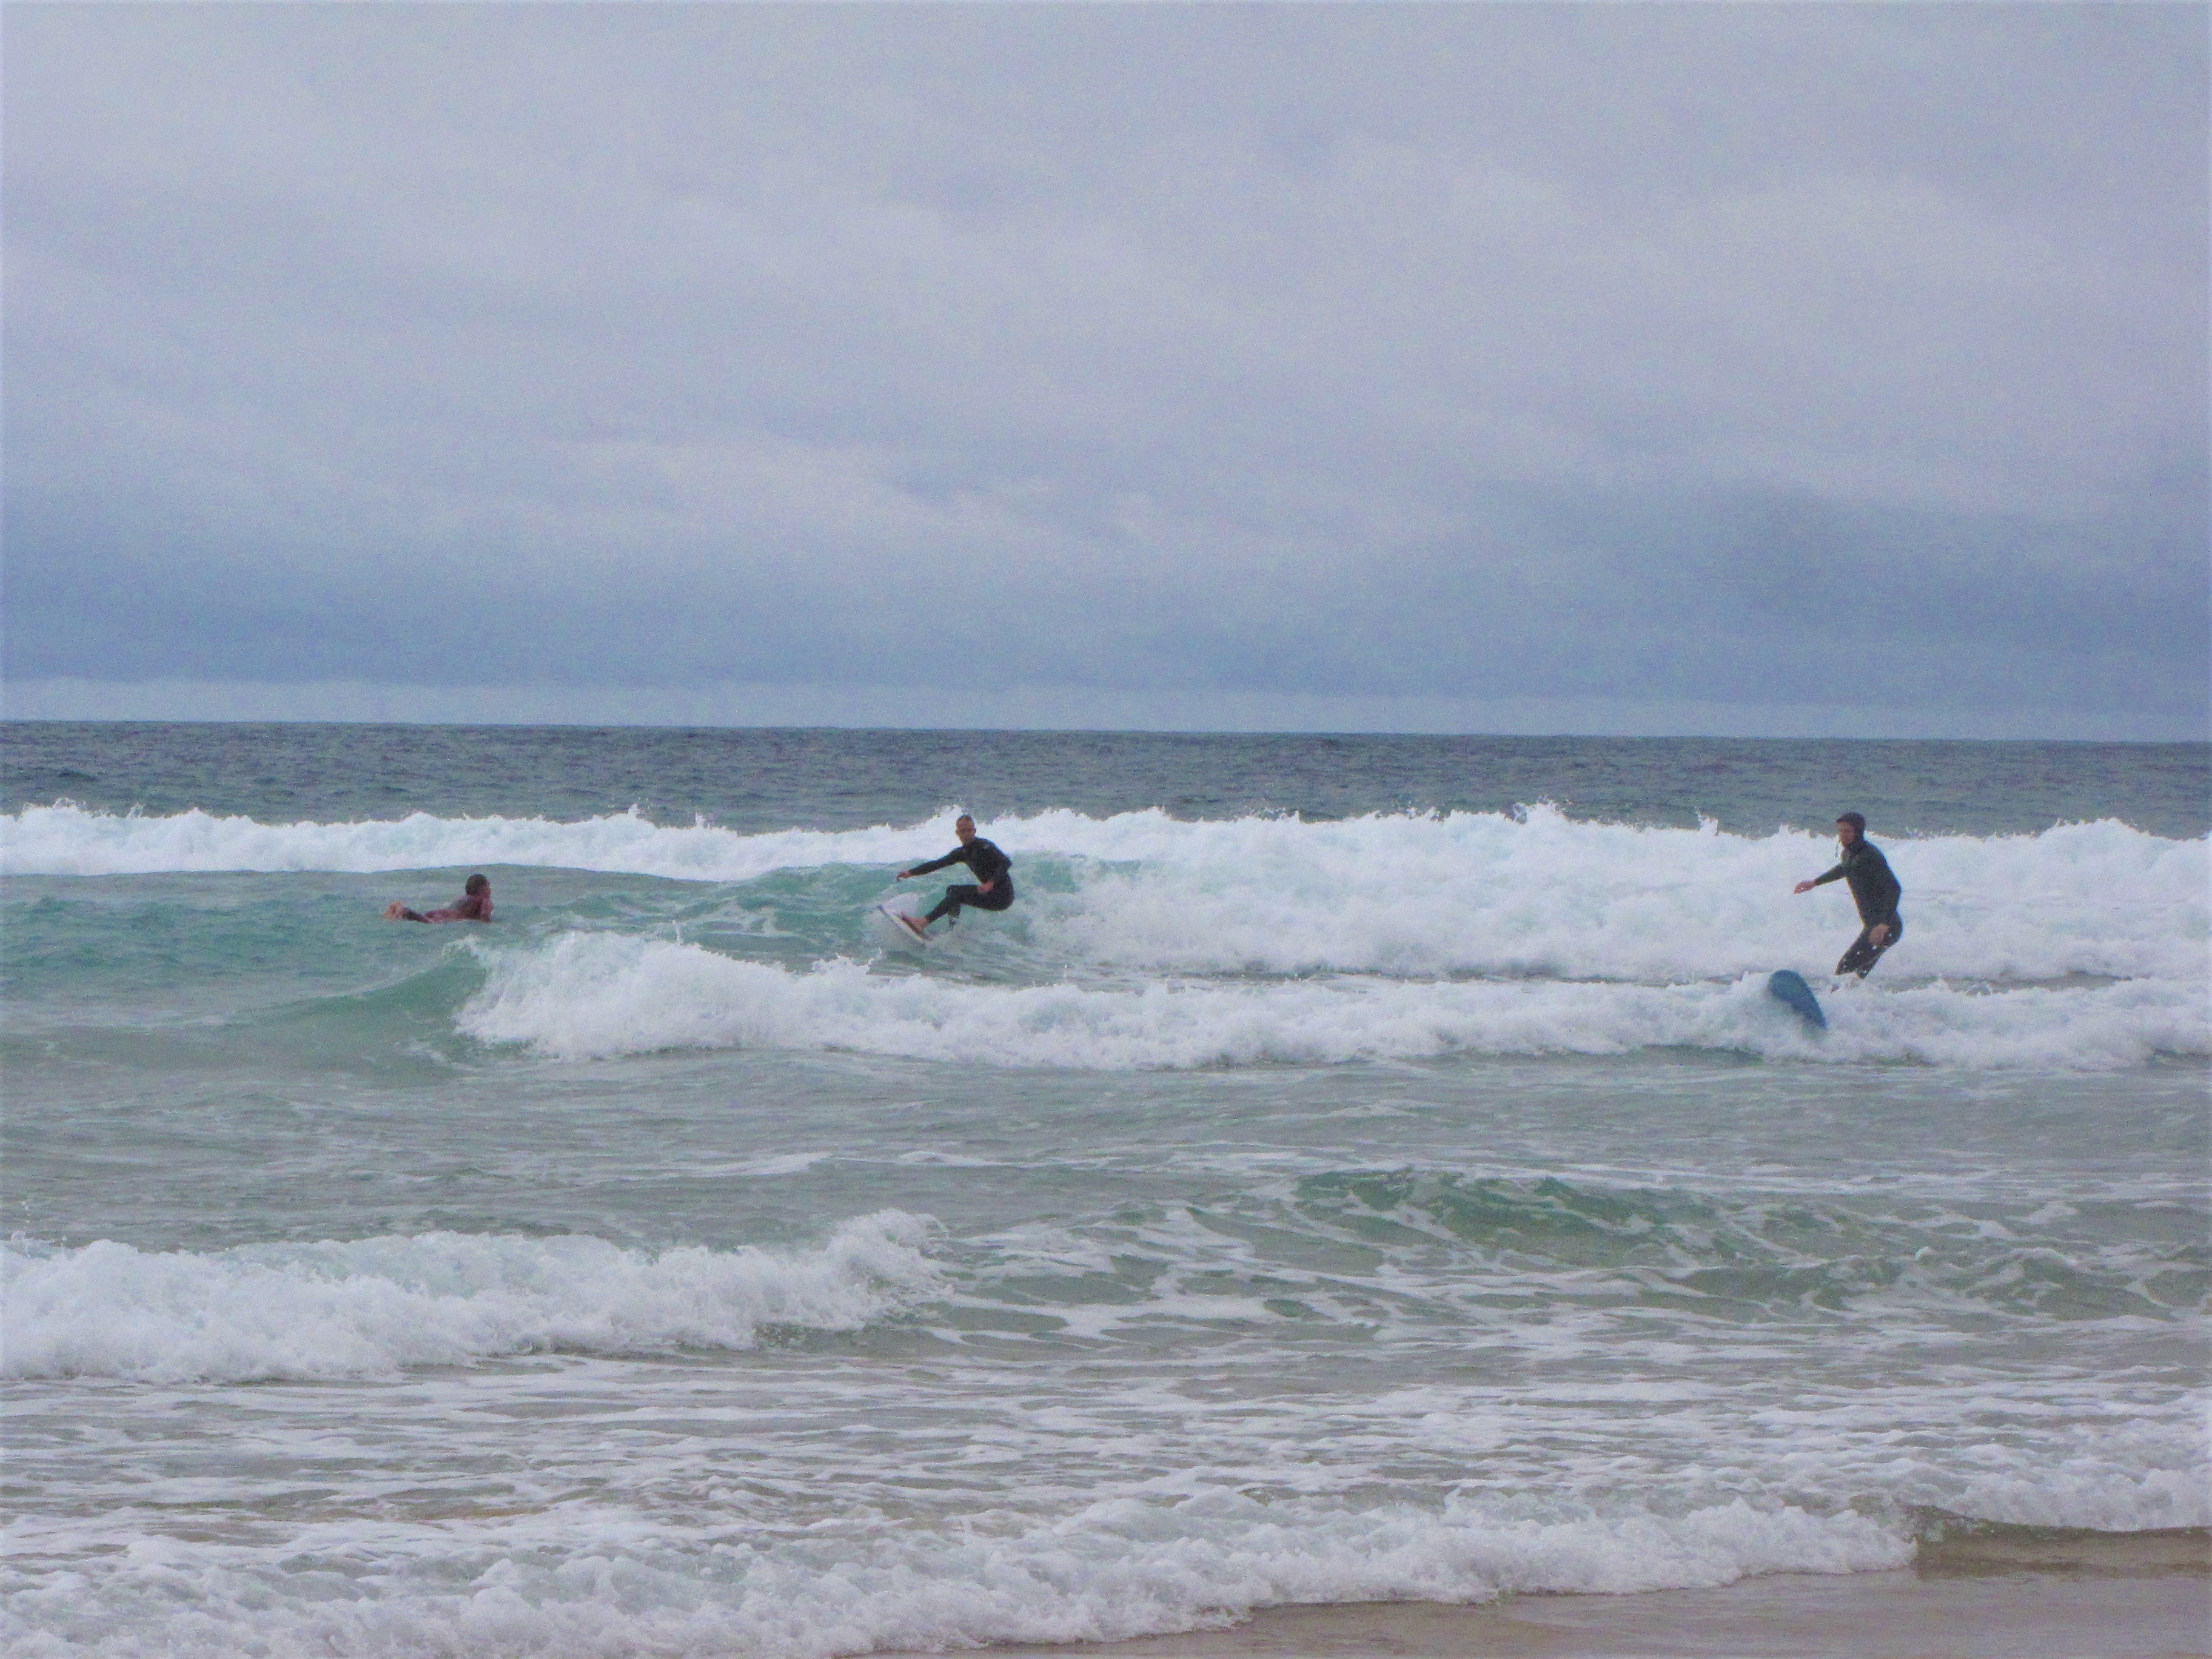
2012	1593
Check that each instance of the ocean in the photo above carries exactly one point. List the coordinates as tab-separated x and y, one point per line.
1358	1169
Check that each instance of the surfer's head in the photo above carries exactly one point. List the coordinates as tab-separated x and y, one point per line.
965	827
1850	827
476	884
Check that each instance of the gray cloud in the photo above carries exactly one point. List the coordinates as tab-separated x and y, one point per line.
1724	355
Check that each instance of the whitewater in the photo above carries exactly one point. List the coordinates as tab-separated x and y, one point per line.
1355	1170
1144	941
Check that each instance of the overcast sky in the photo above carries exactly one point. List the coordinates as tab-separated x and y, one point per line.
1801	369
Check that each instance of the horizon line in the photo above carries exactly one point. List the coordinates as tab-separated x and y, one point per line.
1098	731
1015	706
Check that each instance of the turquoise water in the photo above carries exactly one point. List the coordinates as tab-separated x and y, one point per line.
1356	1168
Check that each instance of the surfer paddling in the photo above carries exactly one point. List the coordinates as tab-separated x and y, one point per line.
473	905
1875	889
992	889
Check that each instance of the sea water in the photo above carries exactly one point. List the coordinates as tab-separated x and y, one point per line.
1357	1167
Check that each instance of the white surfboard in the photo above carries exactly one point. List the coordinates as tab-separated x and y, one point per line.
895	934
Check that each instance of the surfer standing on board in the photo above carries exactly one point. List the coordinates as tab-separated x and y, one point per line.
1875	889
993	888
474	905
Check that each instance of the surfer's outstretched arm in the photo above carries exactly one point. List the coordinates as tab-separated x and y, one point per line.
1875	889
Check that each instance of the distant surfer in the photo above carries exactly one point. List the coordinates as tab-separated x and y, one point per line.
1875	889
992	889
473	905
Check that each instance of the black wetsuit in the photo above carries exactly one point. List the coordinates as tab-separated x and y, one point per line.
1875	889
990	866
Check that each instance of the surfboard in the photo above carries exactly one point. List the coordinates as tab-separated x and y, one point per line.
1787	986
896	934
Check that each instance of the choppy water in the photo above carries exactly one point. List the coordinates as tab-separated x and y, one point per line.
1343	1175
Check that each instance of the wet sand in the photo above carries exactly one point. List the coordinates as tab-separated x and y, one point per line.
2015	1595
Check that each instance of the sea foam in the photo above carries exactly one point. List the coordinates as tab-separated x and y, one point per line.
1119	1567
1539	894
68	840
1534	893
372	1307
594	995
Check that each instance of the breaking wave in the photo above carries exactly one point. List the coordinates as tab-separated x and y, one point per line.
596	995
372	1307
1120	1568
1465	892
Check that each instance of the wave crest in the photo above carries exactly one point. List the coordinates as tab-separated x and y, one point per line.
597	995
1532	893
372	1307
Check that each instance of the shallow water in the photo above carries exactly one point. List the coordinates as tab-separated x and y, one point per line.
1342	1176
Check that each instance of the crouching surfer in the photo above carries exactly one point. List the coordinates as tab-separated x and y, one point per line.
1875	889
473	905
992	889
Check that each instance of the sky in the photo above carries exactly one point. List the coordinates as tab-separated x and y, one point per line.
1763	370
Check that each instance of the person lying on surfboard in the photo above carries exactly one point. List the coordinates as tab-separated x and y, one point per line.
1875	889
993	888
473	905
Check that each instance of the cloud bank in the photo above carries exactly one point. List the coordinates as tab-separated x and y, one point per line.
1244	358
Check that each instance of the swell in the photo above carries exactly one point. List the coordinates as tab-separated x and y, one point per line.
1763	1256
1572	1266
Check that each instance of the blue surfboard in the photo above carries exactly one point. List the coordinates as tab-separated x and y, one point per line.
1787	986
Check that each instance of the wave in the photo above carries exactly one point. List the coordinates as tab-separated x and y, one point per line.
1532	894
1540	894
1959	1546
68	840
372	1307
1746	1255
1117	1569
600	995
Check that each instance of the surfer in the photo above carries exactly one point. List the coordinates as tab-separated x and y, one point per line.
992	889
474	905
1875	889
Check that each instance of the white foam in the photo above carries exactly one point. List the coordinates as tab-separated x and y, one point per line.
69	840
594	995
1120	1568
371	1307
2088	1492
1541	894
1465	892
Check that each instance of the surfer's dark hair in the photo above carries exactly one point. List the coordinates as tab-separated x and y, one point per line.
475	884
1856	820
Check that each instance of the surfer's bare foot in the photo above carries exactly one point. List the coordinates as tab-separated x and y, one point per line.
920	927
